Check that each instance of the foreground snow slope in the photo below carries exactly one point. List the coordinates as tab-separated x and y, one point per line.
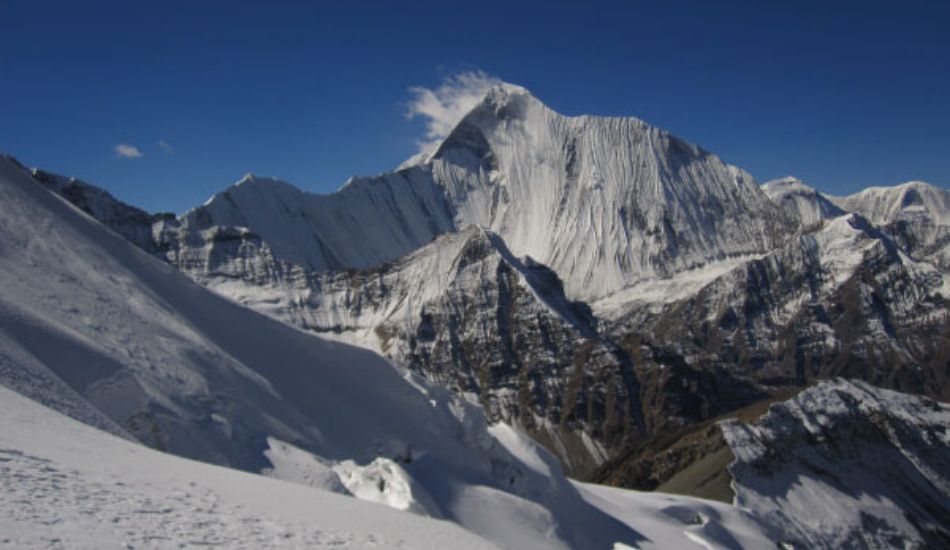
64	484
847	465
176	365
67	485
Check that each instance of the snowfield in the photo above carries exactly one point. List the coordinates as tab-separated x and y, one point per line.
64	484
68	485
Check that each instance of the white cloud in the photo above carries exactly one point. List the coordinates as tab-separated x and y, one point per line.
445	106
126	151
164	146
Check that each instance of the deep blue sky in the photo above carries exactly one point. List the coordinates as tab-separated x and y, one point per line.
844	95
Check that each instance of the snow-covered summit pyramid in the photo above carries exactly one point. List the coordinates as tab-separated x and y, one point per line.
604	202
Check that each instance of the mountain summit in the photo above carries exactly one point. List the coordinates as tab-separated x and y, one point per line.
604	202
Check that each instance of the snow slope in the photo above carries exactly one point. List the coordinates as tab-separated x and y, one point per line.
847	465
67	485
662	521
134	224
678	522
64	484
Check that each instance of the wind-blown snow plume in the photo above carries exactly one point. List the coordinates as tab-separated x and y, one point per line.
447	104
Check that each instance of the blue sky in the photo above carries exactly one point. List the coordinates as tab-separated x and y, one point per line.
842	94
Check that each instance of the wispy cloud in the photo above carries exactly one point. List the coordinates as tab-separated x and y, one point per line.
164	146
126	151
445	106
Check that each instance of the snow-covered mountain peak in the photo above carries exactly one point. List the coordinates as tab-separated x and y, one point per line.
504	91
884	205
605	202
801	201
916	214
250	184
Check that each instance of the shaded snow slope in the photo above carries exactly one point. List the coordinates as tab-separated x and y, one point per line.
184	370
847	465
134	224
67	485
195	373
